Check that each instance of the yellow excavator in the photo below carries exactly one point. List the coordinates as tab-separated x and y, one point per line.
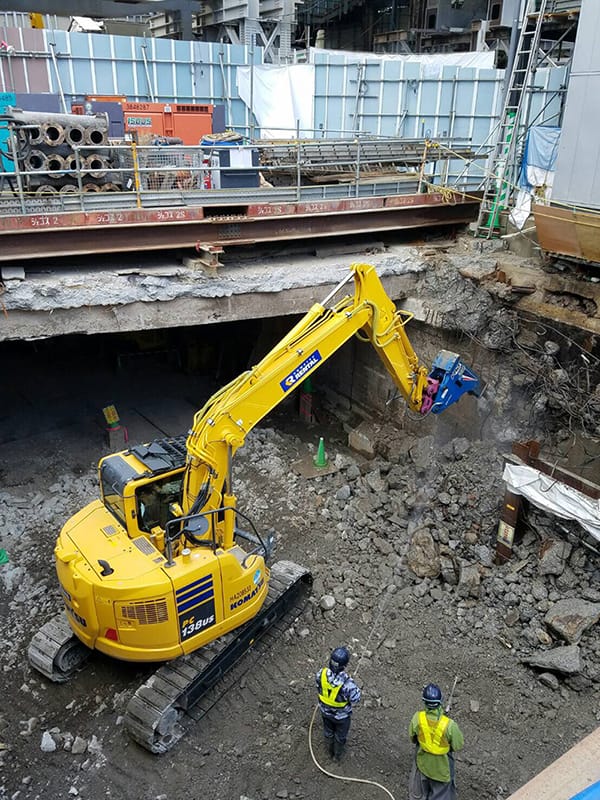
165	567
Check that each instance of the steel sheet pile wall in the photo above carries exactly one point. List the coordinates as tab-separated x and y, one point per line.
577	179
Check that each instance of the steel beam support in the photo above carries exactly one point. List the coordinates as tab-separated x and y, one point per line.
45	236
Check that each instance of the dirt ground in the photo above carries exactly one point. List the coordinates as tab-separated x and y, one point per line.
403	631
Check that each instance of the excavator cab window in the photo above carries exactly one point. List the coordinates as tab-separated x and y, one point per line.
154	501
149	508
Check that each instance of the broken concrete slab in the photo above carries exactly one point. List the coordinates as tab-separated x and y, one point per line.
363	438
469	583
160	293
566	660
553	556
571	617
12	273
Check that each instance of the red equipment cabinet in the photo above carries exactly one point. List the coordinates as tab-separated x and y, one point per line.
186	122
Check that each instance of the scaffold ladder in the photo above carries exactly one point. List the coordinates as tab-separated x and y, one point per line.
503	164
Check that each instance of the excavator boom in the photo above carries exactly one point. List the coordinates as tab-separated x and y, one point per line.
223	424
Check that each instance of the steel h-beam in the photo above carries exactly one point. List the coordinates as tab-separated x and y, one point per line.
77	233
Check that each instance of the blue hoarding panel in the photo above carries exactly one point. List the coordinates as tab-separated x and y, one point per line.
6	99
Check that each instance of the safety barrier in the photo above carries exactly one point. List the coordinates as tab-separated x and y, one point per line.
64	175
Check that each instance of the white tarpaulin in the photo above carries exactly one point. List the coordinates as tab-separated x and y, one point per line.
431	65
537	171
553	496
280	98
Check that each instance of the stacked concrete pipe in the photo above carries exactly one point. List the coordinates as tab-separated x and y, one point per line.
47	157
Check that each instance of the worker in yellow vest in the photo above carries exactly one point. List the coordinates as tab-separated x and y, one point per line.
338	695
437	737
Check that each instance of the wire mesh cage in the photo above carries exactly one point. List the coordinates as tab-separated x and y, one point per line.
168	168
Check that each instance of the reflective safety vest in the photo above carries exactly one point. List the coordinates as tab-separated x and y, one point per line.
432	734
329	692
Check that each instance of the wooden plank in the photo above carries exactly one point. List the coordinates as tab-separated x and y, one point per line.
569	233
577	769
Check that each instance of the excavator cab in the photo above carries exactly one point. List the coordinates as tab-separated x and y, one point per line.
139	486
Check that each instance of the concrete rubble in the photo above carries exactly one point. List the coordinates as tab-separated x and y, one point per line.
400	536
430	547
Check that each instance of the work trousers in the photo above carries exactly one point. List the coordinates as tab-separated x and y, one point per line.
423	788
336	728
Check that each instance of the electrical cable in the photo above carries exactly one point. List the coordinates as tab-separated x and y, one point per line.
489	174
572	396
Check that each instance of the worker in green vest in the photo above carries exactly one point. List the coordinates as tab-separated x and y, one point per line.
437	737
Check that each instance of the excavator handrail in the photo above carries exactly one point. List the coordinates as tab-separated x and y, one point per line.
212	542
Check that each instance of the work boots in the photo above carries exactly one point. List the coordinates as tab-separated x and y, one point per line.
338	750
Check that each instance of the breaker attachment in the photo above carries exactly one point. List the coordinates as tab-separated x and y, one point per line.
448	380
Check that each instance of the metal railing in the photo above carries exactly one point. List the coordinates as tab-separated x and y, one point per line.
126	175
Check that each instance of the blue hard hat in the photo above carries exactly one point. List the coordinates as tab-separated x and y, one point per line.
432	695
339	659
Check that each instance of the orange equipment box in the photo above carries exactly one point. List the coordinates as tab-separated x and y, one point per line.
187	122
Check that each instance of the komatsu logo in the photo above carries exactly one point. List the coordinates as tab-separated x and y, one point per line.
292	379
240	601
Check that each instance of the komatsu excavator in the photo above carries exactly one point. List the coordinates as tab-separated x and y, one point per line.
165	567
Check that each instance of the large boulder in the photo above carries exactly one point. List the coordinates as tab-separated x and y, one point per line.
423	557
571	617
566	660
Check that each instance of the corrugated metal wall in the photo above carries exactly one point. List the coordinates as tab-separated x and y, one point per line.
163	70
577	178
354	92
398	98
564	6
392	97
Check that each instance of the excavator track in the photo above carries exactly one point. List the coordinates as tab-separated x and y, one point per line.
56	652
186	687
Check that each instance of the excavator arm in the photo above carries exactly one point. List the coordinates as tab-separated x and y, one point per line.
223	424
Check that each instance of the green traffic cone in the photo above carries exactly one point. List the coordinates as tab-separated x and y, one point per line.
321	457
